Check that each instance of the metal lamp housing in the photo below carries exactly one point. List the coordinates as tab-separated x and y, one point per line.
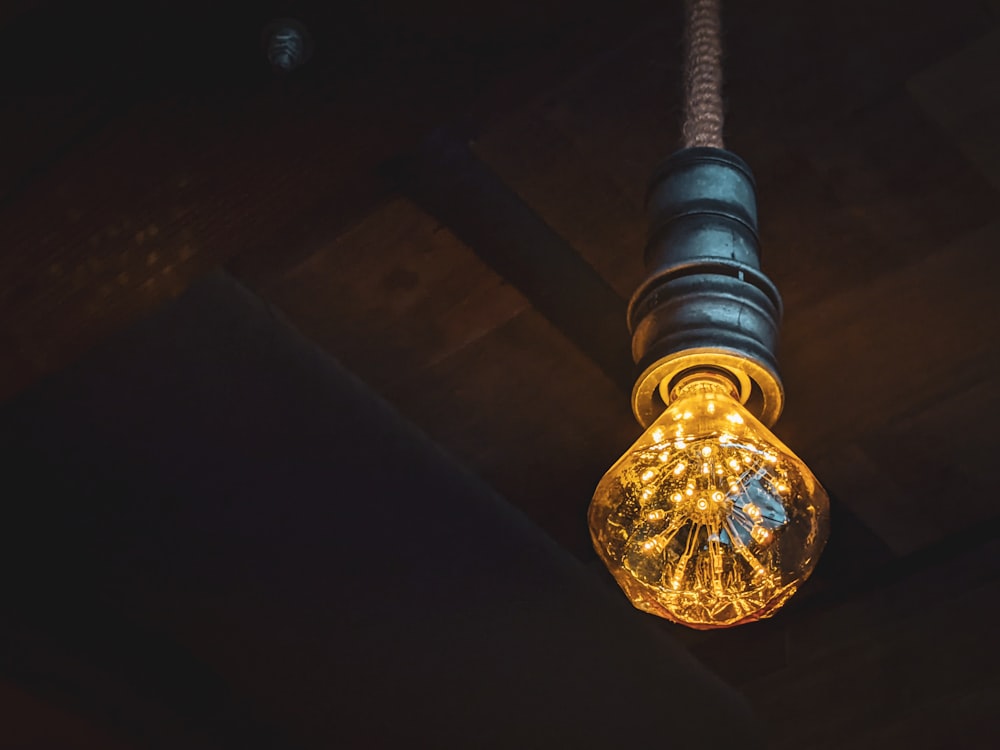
705	304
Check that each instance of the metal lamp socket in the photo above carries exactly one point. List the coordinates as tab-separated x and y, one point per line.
705	304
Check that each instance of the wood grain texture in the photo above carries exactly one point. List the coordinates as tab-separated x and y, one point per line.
871	671
196	144
131	170
962	94
393	295
415	313
577	199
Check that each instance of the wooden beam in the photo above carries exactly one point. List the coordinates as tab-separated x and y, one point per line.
448	181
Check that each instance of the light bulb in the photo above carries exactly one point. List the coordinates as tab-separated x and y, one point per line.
709	520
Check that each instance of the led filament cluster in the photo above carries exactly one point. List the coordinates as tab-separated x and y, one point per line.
709	520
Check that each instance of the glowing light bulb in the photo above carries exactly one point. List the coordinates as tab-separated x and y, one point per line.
705	548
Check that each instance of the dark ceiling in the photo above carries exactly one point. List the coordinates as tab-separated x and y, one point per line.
448	198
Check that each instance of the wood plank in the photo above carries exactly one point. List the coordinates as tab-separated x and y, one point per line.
860	650
925	476
857	182
217	162
864	196
449	182
580	202
866	675
962	94
393	295
874	353
457	350
524	408
791	63
132	219
622	114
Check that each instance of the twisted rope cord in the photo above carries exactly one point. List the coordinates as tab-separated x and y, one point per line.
703	75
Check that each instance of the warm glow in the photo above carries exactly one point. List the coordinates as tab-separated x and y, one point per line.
722	546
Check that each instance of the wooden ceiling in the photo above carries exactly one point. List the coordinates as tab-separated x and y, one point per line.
148	144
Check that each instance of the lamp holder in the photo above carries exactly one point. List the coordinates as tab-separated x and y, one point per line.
705	304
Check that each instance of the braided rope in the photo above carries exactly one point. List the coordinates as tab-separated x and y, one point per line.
703	75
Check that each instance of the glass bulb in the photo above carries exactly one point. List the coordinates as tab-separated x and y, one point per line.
709	520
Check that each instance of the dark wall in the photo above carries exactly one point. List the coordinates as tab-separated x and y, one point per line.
215	536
